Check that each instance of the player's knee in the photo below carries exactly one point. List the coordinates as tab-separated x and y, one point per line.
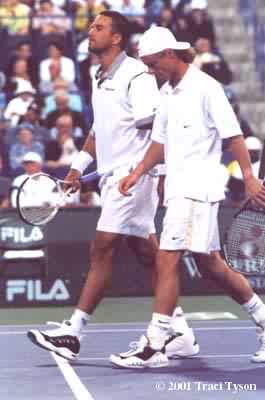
211	266
102	249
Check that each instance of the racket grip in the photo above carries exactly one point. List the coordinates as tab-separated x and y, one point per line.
92	176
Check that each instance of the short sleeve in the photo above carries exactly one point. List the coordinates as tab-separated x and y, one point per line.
144	98
222	114
160	122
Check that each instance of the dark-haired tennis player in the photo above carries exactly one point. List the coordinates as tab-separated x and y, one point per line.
125	98
193	118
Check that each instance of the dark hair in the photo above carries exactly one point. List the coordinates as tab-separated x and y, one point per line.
120	25
187	56
59	45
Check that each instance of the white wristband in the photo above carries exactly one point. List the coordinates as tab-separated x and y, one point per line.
82	161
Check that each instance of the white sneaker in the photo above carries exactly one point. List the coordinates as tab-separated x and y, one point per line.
141	357
259	356
182	344
62	341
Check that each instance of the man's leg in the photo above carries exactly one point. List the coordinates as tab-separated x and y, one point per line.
100	272
237	286
181	341
65	340
151	352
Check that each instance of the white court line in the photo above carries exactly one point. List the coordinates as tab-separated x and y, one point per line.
98	324
221	328
79	390
178	359
200	357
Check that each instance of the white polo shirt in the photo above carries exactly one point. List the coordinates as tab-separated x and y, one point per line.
191	122
124	99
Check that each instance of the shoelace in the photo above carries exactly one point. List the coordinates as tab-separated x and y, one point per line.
139	344
59	324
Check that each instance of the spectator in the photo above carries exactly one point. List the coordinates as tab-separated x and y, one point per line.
212	63
33	118
23	51
32	164
133	45
65	65
129	8
86	13
14	16
200	24
61	90
63	107
57	83
167	18
50	19
244	124
152	11
25	143
181	29
19	75
61	152
18	106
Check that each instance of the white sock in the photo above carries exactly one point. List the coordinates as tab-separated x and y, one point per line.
79	320
256	309
178	321
157	330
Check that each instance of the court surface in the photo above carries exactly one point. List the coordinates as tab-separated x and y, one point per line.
221	371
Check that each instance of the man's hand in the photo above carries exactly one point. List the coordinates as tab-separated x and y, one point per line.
72	181
126	183
255	191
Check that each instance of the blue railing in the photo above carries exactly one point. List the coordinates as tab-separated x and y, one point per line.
256	23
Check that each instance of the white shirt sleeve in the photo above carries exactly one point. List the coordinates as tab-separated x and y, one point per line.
160	123
144	98
68	69
222	114
44	70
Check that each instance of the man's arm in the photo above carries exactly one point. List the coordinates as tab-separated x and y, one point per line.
254	188
90	145
85	157
153	156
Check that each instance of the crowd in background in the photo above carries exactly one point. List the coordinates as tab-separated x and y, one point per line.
45	81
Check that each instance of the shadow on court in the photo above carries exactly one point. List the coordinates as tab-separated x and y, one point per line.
222	370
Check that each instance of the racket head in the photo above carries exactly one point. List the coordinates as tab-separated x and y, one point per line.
244	244
39	198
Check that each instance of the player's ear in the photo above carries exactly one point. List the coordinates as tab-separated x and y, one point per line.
116	39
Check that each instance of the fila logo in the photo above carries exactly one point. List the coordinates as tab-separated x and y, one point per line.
18	234
32	290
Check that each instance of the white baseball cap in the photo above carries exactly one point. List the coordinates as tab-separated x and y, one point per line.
157	39
32	157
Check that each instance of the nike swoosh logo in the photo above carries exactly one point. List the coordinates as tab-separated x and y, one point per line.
162	322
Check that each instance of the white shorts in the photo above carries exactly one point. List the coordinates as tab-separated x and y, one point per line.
128	215
190	225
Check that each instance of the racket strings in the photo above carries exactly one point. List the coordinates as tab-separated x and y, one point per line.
245	249
40	198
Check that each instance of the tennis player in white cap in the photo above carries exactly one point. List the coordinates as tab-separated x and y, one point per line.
193	118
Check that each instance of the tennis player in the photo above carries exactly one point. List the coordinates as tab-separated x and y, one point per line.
193	118
125	98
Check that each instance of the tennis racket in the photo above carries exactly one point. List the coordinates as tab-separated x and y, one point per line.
244	243
40	197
